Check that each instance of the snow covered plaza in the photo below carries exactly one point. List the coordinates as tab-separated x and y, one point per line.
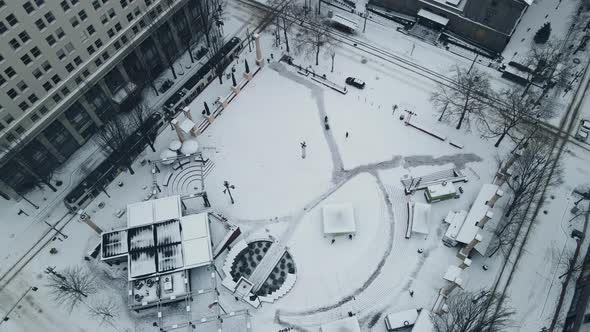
277	196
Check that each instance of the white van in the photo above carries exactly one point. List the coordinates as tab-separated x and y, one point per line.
401	320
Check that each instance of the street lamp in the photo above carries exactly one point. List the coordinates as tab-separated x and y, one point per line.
227	190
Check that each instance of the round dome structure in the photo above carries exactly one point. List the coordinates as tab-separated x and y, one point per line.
189	147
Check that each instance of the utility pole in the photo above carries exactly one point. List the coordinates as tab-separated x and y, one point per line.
473	63
227	190
33	288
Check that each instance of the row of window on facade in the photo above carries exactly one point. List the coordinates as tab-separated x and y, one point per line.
151	58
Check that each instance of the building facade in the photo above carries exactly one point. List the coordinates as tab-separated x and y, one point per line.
66	66
487	23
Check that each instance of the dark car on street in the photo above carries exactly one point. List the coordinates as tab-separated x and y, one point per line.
355	82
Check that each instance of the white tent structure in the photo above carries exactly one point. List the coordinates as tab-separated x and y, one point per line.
350	324
338	219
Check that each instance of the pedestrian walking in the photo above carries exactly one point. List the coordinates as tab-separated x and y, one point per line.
326	119
346	134
411	293
303	148
333	240
350	236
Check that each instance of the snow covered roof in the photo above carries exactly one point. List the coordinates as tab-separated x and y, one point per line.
401	319
142	263
441	189
156	210
455	219
452	273
433	17
196	240
421	217
186	125
349	324
477	211
338	219
170	242
139	213
344	21
114	244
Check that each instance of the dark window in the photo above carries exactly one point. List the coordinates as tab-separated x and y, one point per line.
75	1
36	52
24	36
14	44
56	98
51	40
20	130
12	93
103	19
56	79
43	110
95	4
26	59
28	7
90	50
3	28
130	17
60	54
65	91
105	55
78	80
117	45
8	119
39	3
90	29
47	86
123	3
86	73
82	15
65	6
77	60
10	72
2	80
111	13
110	33
98	62
60	33
40	24
118	27
135	29
74	22
46	66
23	106
98	43
11	19
70	67
34	117
49	17
33	98
37	73
22	86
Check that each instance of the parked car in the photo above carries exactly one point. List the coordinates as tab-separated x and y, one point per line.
583	130
355	82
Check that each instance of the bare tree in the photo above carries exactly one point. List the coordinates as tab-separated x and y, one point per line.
467	313
313	37
515	113
139	115
548	66
105	310
71	286
529	168
463	98
207	20
35	176
112	138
